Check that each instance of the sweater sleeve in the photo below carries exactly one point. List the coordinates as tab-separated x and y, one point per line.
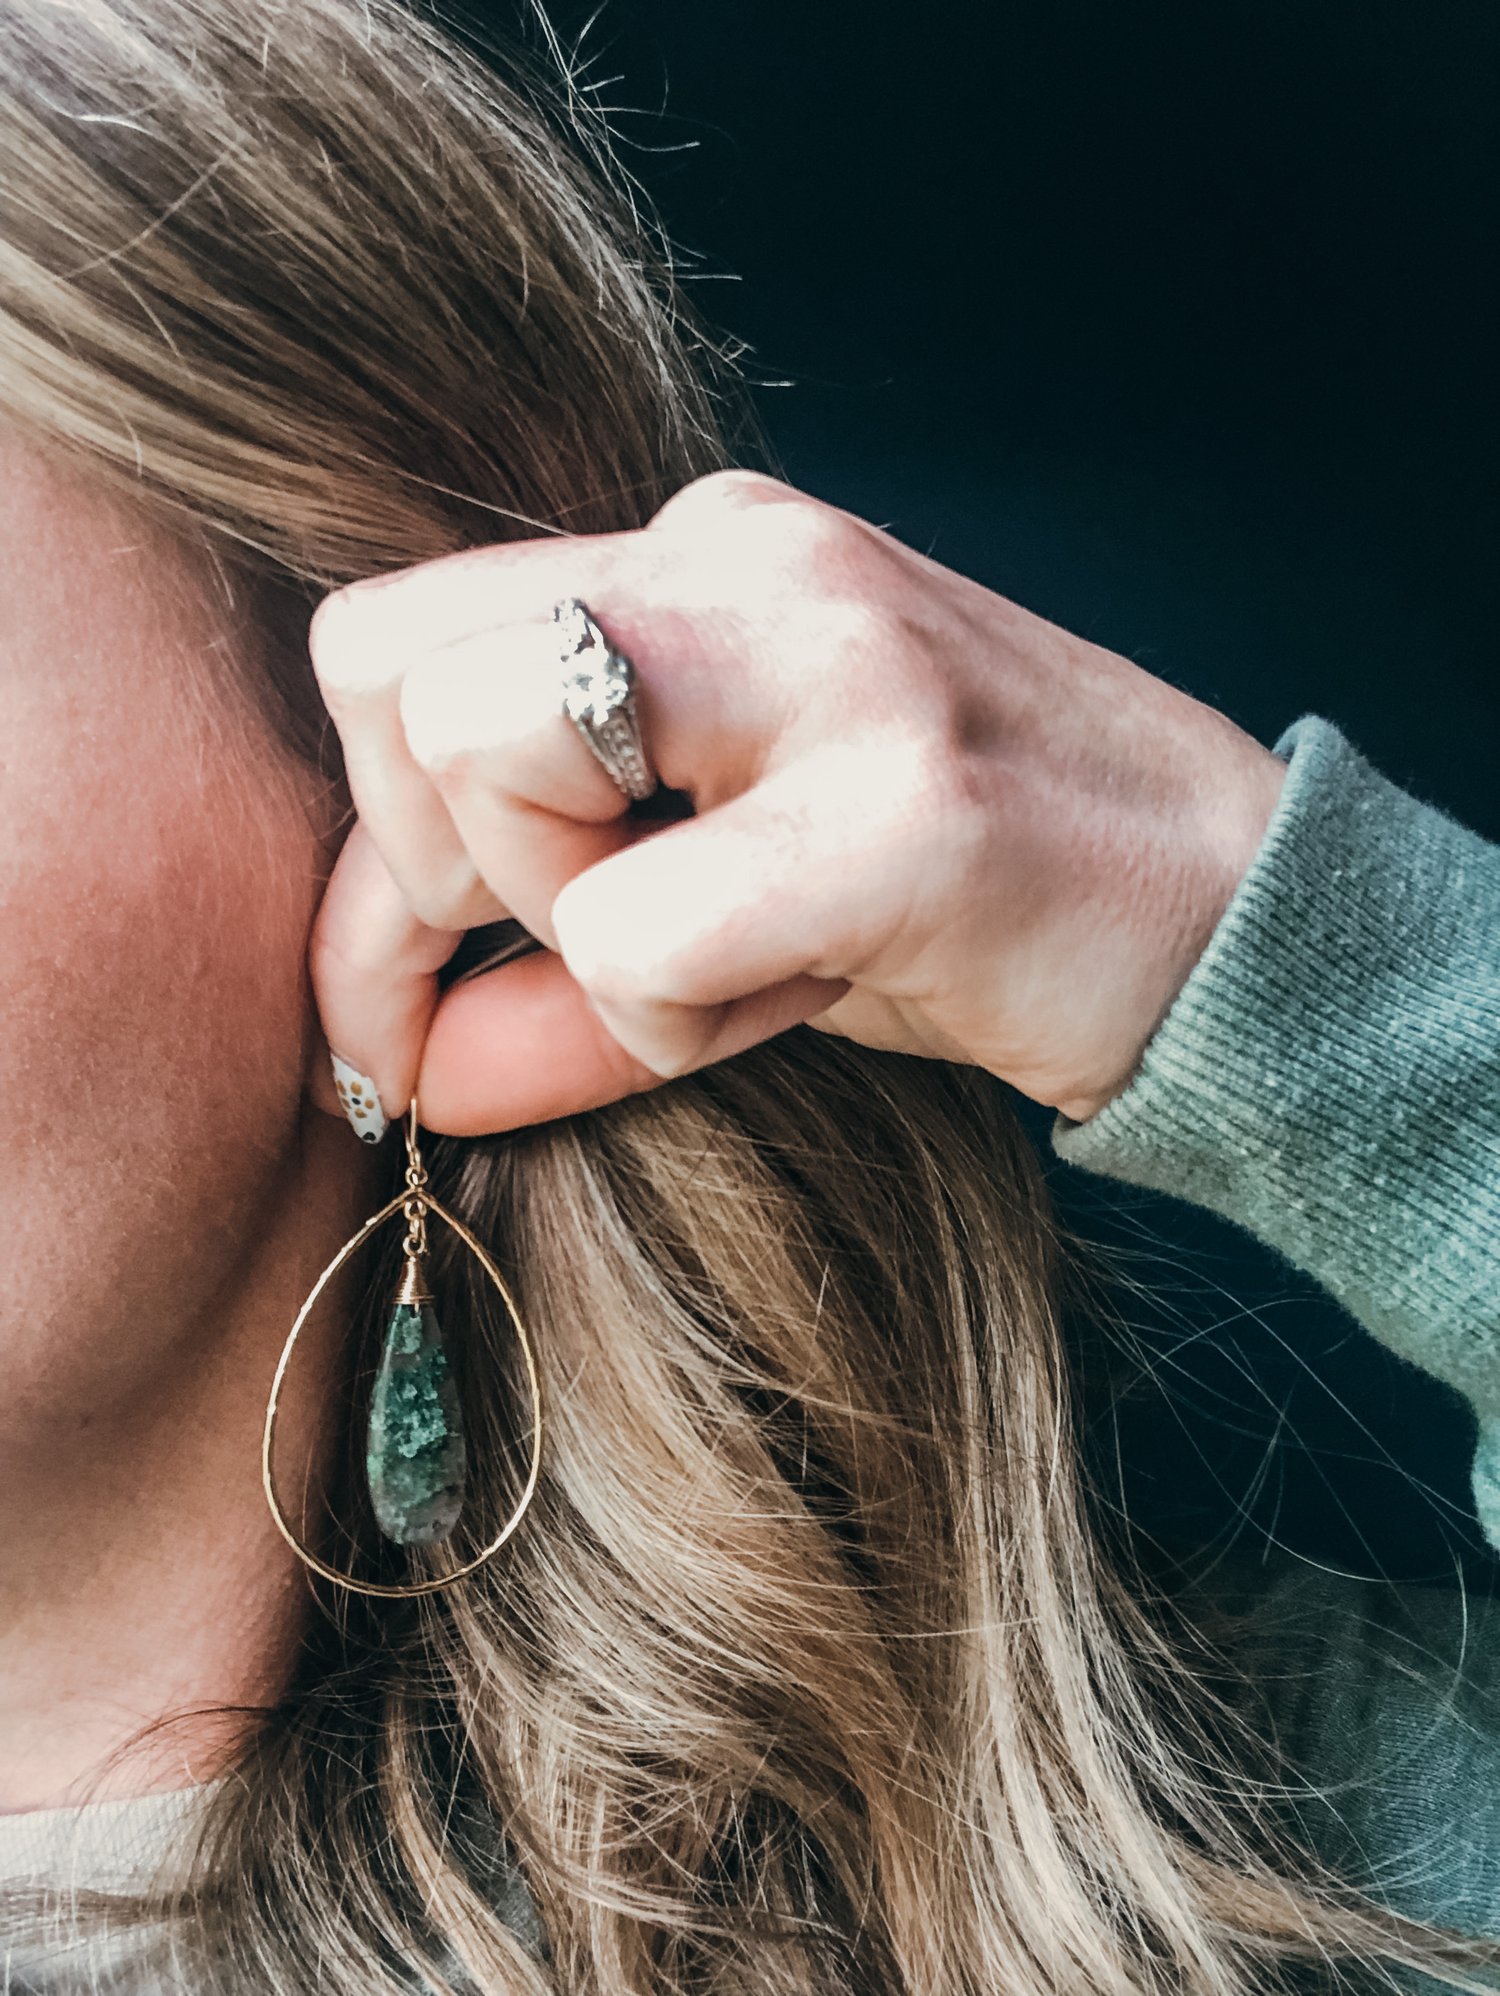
1329	1075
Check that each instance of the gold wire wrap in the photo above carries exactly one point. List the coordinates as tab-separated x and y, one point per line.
385	1589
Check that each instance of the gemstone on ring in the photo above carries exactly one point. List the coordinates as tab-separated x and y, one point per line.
595	694
598	697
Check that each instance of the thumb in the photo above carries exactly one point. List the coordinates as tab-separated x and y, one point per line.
522	1044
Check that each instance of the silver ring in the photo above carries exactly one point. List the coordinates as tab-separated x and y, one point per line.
598	697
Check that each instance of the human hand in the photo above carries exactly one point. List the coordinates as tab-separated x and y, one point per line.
923	818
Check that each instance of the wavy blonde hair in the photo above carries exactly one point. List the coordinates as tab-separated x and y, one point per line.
814	1671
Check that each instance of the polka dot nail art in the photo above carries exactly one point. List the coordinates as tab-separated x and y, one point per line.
361	1103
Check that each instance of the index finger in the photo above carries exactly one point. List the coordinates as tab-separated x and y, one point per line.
449	597
453	596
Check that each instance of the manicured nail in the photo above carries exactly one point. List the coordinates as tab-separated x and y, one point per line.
361	1102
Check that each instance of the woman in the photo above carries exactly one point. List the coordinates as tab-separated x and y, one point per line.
814	1665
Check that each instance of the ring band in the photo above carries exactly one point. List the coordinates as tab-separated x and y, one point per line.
598	697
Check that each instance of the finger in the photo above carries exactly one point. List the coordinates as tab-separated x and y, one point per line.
395	799
430	732
452	596
523	1044
530	802
374	968
666	933
481	721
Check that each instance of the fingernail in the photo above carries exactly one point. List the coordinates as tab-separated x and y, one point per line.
361	1101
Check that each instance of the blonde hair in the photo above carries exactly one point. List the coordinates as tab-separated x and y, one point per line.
812	1672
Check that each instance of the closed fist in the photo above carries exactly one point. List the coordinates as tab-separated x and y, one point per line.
921	817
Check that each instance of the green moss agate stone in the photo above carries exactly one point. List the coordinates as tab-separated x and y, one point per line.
415	1454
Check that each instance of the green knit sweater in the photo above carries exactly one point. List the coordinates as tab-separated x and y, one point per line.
1329	1078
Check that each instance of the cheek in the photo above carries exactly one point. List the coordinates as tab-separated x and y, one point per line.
152	936
151	979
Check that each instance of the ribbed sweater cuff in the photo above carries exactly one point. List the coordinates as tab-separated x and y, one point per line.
1329	1075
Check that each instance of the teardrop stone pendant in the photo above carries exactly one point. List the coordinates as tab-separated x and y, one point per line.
415	1451
415	1456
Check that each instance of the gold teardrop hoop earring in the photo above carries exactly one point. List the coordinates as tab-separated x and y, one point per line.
415	1454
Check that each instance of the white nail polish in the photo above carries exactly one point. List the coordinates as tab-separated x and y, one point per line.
361	1102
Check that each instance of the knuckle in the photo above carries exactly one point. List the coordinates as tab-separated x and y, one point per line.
447	893
713	492
848	632
438	730
335	950
818	551
932	780
950	798
841	675
455	898
345	661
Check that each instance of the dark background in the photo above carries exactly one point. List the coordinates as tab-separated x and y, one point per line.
1175	323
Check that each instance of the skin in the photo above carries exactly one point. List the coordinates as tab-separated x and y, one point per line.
926	819
169	1190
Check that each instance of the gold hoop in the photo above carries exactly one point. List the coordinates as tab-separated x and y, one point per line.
384	1589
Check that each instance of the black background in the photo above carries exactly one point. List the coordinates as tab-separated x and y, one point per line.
1174	323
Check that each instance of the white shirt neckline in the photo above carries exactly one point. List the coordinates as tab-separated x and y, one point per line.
110	1846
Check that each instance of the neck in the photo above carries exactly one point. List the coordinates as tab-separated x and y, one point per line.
149	1610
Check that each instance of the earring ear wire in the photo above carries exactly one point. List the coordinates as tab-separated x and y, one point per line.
412	1336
